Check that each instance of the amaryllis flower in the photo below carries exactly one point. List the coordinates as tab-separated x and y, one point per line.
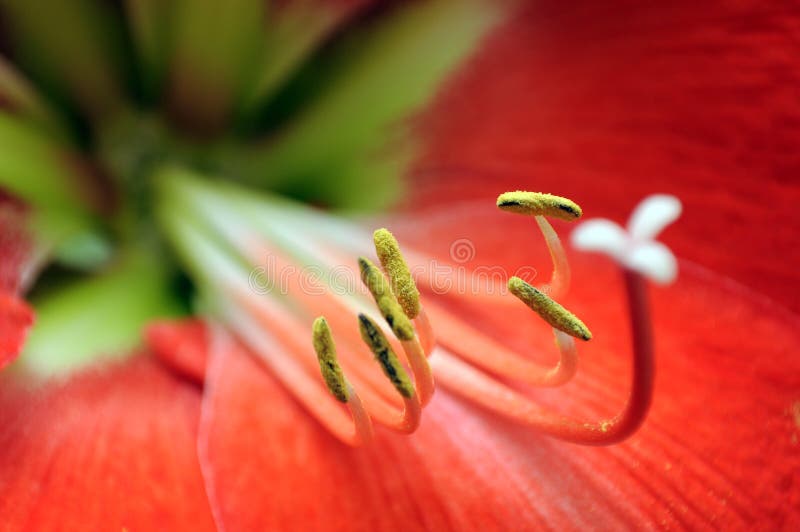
200	329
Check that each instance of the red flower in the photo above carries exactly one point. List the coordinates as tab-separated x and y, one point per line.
601	103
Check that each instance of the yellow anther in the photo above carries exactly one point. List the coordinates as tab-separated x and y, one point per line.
550	311
539	204
392	261
328	363
383	352
384	297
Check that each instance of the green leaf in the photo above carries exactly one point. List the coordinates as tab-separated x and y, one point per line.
296	30
98	318
149	22
349	146
74	48
37	170
22	99
213	47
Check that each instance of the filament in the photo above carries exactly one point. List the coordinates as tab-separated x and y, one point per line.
497	397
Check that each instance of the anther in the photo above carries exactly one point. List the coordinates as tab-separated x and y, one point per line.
550	311
392	261
383	352
384	297
328	362
539	204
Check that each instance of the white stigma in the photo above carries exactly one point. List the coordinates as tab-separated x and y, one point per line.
635	248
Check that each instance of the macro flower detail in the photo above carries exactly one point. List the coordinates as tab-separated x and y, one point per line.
199	329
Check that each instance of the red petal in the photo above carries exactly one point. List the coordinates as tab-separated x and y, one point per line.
16	317
608	102
112	449
180	344
272	468
719	449
720	445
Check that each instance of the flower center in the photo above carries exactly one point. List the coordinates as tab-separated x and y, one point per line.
308	101
304	287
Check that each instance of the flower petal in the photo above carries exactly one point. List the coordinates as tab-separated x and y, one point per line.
673	97
67	335
181	344
465	469
601	235
16	318
109	449
77	51
724	358
652	215
654	260
16	243
270	467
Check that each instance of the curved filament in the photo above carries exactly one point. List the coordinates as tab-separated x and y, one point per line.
497	397
489	354
560	278
423	376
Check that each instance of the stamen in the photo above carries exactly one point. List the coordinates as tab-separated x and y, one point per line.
379	345
328	362
550	311
384	297
372	390
539	204
252	320
499	398
384	354
392	261
337	383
